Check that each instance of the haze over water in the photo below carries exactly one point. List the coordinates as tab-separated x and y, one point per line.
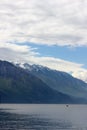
43	117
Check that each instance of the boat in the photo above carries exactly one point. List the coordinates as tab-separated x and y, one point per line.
67	105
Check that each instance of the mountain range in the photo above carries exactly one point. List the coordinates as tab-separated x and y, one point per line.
38	84
58	80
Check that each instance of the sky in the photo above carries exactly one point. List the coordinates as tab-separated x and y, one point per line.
52	33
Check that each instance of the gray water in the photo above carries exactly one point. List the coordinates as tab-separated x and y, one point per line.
43	117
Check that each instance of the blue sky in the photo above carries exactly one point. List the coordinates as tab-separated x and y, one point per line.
52	33
77	54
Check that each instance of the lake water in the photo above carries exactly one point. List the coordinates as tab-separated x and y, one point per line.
43	117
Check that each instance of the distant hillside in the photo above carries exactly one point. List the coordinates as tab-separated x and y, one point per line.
19	86
59	81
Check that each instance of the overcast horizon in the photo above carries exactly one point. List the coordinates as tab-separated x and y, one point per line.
51	33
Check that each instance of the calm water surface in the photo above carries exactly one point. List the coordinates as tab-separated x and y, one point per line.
43	117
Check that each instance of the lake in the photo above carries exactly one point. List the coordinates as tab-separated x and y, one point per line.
43	117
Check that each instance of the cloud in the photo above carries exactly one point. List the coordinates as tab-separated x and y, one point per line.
80	74
16	53
44	22
18	50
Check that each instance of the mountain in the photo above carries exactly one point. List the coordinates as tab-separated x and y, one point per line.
59	81
19	86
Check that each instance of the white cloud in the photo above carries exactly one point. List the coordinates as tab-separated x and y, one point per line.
81	74
15	47
44	22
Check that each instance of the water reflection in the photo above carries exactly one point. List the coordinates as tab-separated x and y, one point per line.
9	121
33	118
